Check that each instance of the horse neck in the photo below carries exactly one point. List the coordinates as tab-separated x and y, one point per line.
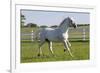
64	28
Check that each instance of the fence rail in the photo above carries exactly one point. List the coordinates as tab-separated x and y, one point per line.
83	35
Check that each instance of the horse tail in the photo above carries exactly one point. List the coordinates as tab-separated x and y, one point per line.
37	34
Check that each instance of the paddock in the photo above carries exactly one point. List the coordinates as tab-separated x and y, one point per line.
79	38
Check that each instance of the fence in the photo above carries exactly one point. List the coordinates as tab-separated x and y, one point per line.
80	33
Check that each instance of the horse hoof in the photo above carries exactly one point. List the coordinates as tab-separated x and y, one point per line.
38	54
64	50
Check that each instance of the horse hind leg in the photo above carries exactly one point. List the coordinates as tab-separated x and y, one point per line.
40	49
50	48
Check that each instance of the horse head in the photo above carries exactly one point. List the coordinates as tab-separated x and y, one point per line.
71	22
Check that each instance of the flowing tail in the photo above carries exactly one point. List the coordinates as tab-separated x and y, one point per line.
36	34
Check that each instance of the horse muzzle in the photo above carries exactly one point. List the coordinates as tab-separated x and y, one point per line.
74	25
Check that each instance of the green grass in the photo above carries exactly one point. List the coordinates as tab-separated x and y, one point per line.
29	51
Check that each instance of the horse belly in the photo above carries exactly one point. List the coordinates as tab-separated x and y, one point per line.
52	36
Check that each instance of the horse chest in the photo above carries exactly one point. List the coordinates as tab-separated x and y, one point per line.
65	35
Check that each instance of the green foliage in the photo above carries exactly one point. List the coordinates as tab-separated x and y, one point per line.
54	26
31	25
83	24
43	26
22	20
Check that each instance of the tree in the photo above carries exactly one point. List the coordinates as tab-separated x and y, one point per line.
32	25
54	26
43	26
22	20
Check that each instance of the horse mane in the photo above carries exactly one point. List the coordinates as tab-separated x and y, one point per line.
63	22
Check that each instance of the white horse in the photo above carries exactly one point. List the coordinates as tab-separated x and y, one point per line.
58	34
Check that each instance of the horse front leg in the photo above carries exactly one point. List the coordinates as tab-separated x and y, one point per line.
68	43
67	48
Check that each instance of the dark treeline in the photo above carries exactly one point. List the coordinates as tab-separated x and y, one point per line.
45	26
83	24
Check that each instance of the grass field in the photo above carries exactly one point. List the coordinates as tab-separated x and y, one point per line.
29	51
80	49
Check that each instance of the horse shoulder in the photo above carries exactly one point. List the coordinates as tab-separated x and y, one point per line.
63	35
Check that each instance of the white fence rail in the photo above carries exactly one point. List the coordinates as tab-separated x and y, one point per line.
31	35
